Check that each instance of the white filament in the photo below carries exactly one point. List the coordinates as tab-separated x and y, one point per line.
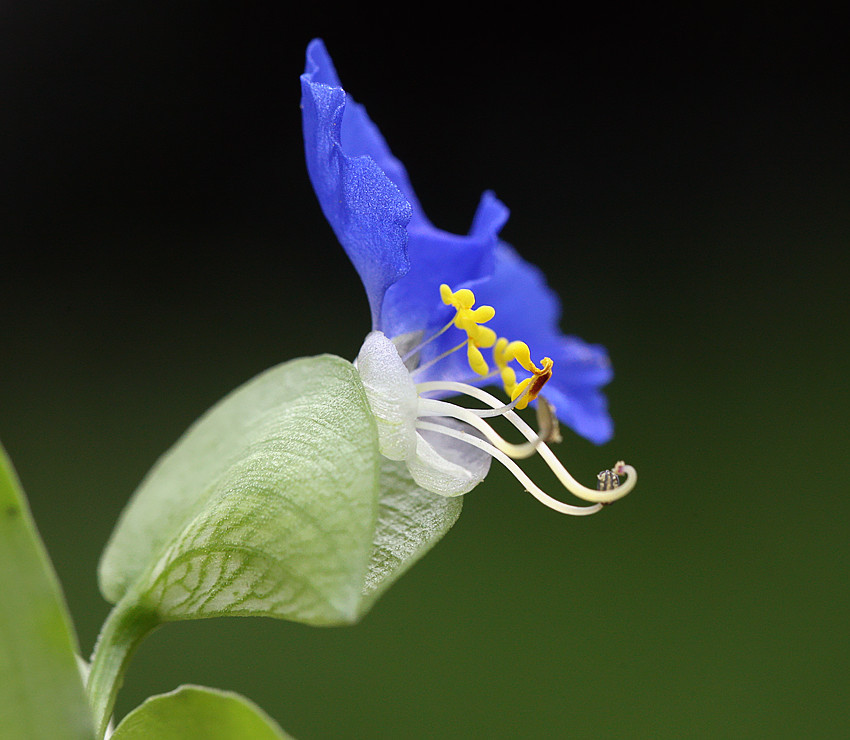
431	407
515	470
563	475
434	361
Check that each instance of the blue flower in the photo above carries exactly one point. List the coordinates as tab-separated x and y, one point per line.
402	258
406	265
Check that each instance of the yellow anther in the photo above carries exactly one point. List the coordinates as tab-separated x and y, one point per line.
503	353
532	386
502	358
461	299
482	336
519	351
468	319
476	360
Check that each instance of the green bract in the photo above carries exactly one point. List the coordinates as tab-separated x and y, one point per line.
274	503
41	691
410	521
198	713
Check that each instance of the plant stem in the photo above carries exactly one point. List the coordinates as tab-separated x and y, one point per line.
127	625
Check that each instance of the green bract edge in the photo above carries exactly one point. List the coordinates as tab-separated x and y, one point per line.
41	690
266	506
276	502
198	713
411	521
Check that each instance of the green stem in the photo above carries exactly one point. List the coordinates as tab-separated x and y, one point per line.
127	625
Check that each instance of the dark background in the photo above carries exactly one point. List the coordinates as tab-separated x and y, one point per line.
682	177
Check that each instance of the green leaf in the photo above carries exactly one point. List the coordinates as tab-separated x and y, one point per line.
41	690
266	506
198	713
411	521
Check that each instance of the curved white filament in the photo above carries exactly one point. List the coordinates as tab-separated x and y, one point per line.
567	480
515	470
432	407
499	408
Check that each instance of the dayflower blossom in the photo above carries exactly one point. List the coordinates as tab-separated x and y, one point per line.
450	314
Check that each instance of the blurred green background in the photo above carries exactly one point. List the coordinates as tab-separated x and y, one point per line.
682	179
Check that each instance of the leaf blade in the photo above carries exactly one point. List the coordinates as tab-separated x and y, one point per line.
41	690
198	713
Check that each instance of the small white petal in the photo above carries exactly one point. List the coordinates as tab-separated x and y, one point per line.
446	465
391	395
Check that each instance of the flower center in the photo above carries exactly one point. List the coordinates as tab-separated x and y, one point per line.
469	320
406	413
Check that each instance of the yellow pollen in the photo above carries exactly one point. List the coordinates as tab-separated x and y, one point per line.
468	319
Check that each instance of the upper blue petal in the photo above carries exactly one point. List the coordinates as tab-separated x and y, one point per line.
366	195
364	207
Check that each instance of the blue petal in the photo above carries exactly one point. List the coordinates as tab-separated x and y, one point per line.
346	133
526	307
436	257
528	310
367	212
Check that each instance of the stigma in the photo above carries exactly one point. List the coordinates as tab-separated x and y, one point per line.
448	448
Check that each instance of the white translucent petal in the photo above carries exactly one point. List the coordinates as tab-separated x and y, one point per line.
445	465
391	395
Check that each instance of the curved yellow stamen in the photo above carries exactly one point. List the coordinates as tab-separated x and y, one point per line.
470	320
519	351
501	357
529	388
